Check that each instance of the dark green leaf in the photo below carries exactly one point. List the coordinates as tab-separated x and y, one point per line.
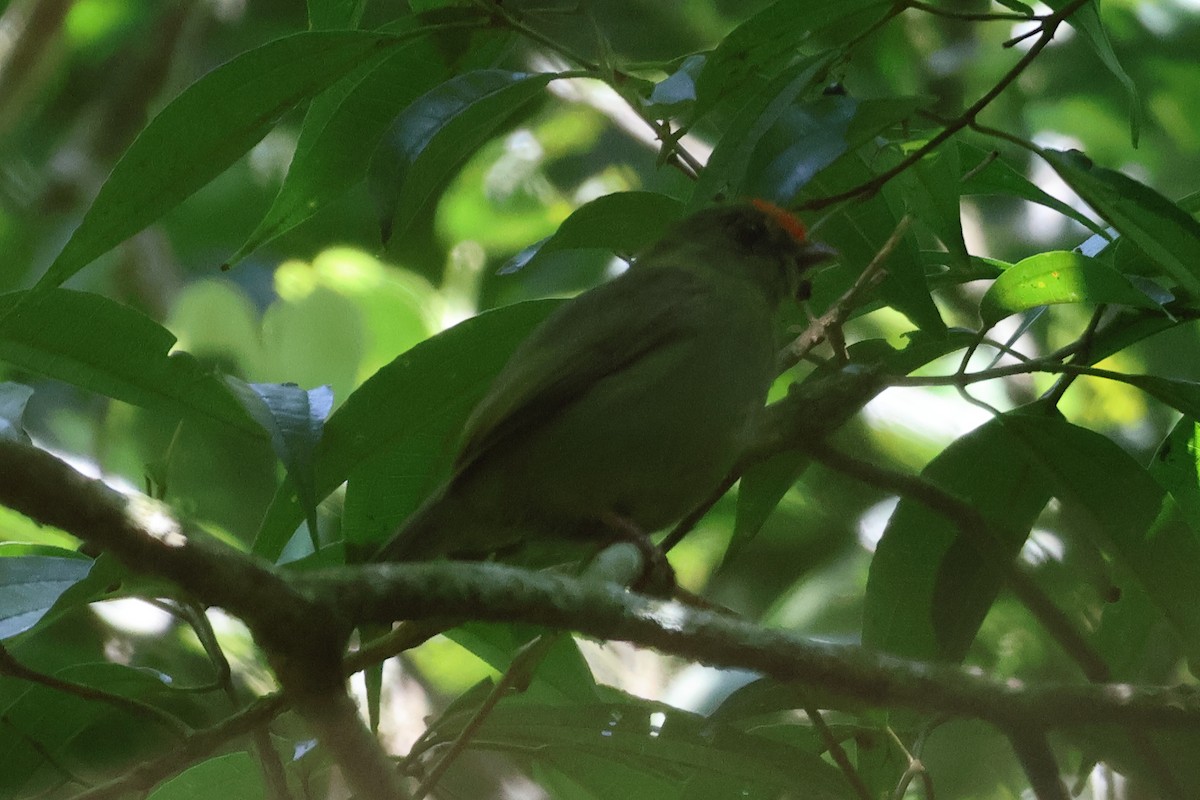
438	132
294	418
1169	235
99	345
222	777
858	230
206	128
725	173
935	197
807	137
765	43
414	406
929	587
999	178
621	222
333	14
1132	517
1086	20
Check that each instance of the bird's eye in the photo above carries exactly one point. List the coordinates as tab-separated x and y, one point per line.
749	232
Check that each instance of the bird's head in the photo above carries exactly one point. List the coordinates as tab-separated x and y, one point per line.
758	240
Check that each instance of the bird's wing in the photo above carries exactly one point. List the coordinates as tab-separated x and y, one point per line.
597	334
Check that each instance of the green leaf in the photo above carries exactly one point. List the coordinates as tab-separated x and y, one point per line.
1179	394
1176	467
621	222
31	584
414	406
438	132
998	177
768	41
44	724
222	777
206	128
936	182
807	137
96	344
294	418
1086	20
341	131
858	230
929	588
1132	518
650	739
333	14
1169	235
1057	277
13	399
725	173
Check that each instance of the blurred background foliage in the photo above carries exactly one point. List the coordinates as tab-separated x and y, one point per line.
327	303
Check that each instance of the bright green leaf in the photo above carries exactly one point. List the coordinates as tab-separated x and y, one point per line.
1057	277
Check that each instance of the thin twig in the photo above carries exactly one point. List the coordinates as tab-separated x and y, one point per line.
837	314
837	753
1047	30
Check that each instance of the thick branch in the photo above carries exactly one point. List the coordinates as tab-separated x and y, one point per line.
495	592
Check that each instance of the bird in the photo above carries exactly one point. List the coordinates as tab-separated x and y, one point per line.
631	402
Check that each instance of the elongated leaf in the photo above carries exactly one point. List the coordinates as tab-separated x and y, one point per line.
652	737
42	722
30	585
206	128
219	778
341	132
936	198
13	399
621	222
998	177
1169	235
334	14
1057	277
433	136
765	43
725	173
96	344
929	588
294	418
1179	394
415	405
858	230
1132	517
808	137
1087	21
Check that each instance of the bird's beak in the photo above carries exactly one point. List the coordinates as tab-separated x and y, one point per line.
811	254
816	253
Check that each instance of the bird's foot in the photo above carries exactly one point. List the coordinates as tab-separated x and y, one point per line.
658	577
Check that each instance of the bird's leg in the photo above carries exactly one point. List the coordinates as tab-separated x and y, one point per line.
657	578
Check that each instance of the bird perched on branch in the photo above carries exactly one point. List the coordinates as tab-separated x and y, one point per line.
627	406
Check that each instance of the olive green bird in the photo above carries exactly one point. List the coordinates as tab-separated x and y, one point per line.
627	406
